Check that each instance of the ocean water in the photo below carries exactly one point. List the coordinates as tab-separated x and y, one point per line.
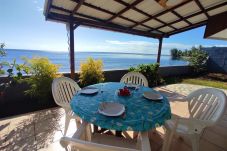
110	60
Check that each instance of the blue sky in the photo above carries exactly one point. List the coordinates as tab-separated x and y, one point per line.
23	26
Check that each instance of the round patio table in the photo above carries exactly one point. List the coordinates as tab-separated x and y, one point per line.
141	114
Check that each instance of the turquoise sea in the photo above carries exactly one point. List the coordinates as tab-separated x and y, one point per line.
110	60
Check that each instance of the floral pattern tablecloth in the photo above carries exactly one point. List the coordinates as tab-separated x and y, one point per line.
141	114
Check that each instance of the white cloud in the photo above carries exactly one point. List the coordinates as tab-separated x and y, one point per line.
40	9
145	46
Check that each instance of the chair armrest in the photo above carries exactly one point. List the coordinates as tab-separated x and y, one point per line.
194	125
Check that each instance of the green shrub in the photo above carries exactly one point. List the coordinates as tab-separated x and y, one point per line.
198	60
42	74
91	72
196	57
2	54
150	71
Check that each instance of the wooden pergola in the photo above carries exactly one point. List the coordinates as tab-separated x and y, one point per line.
150	18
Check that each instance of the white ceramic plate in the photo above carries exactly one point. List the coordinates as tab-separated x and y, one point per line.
88	90
111	109
152	96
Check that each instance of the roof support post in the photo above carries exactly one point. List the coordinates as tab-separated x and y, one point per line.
71	50
159	50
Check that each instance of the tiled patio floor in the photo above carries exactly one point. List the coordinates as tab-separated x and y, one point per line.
42	130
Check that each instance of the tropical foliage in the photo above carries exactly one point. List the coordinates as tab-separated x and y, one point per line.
2	54
42	74
12	69
91	72
196	57
150	71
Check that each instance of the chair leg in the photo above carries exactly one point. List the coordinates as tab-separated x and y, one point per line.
67	120
88	132
167	140
78	123
135	135
195	142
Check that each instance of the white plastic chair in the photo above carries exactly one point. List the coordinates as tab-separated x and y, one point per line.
206	106
135	78
83	140
63	89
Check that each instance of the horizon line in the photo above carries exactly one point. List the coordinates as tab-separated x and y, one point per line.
87	52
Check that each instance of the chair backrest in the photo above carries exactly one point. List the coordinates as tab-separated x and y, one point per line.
207	104
63	89
135	78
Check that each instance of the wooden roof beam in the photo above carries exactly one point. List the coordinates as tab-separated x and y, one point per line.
111	13
49	2
177	14
195	14
75	26
77	7
163	12
202	23
144	13
79	14
181	17
101	25
102	10
125	10
202	8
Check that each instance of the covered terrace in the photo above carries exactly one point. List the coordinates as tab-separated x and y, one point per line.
157	19
150	18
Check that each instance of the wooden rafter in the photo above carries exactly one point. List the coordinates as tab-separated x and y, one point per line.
142	12
89	20
101	25
173	11
124	10
162	13
81	15
199	24
78	14
195	14
202	8
113	14
77	7
181	17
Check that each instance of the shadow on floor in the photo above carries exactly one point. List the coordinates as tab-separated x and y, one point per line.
34	132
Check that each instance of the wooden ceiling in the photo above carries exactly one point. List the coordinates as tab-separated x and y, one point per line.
148	18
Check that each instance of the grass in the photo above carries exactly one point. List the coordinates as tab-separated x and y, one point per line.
216	84
216	80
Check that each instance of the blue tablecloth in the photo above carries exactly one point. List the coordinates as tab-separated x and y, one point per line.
141	114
